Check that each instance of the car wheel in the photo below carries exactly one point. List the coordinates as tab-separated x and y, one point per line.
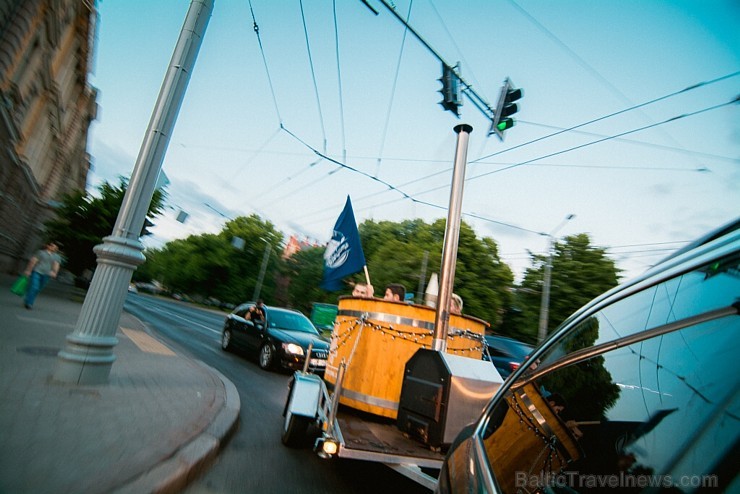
226	340
267	356
294	429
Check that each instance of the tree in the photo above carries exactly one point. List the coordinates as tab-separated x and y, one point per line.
83	219
215	266
305	269
395	252
580	272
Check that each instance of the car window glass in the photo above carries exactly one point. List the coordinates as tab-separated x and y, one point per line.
711	287
662	410
292	321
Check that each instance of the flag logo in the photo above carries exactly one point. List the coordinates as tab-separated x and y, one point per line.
337	251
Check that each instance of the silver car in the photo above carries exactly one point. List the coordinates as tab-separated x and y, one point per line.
637	391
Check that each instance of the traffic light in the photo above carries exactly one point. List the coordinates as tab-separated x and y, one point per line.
505	108
451	94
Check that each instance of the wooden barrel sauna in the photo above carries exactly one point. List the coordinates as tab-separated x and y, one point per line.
377	337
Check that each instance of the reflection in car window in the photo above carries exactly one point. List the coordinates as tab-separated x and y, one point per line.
292	321
664	410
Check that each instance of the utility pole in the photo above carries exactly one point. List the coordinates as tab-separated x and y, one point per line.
88	356
263	268
545	306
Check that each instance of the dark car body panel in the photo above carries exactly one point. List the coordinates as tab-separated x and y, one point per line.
506	353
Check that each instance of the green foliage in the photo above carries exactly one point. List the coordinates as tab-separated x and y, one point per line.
579	273
305	270
82	220
210	266
395	254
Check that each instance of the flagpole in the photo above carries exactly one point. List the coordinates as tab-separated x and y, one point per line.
367	275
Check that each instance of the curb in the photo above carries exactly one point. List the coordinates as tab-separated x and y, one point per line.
174	474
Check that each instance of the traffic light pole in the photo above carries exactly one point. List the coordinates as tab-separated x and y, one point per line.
88	356
467	89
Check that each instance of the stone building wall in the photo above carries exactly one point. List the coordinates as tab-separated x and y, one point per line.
46	107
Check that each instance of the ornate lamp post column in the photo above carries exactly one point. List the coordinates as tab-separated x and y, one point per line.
88	356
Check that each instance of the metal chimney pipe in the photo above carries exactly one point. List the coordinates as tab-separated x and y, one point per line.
452	236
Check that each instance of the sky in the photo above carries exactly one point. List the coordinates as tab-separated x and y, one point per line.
627	121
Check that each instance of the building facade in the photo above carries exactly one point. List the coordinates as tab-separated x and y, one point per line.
46	106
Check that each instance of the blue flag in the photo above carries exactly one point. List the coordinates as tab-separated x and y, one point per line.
343	255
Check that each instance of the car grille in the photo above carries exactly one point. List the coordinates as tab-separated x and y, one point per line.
322	354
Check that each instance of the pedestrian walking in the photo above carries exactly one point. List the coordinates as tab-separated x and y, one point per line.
43	265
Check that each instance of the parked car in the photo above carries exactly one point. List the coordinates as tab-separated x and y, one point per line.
638	390
507	354
280	341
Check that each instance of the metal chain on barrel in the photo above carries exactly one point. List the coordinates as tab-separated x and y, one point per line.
412	336
528	422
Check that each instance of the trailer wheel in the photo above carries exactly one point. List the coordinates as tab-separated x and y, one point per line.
294	429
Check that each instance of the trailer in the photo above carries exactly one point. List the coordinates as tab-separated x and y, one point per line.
386	396
402	380
347	434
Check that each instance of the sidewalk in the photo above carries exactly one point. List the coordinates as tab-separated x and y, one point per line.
160	419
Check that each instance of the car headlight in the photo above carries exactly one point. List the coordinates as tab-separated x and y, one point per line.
293	349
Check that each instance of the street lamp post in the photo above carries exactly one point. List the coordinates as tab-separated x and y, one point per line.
88	356
545	306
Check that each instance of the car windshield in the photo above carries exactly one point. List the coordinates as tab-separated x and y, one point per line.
292	321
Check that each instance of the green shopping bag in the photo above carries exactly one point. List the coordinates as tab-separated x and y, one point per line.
20	285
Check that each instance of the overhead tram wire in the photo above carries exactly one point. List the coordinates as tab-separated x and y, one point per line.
713	81
417	201
633	141
608	138
581	146
264	61
586	65
610	115
272	89
655	100
398	190
454	43
413	199
393	93
271	189
339	81
304	186
313	75
256	153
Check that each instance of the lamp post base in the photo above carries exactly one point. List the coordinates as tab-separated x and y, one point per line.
85	360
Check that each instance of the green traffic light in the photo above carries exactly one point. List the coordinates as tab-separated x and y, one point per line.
505	123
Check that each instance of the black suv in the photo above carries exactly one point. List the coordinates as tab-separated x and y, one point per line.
637	391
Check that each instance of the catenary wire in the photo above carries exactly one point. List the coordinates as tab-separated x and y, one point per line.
393	93
610	115
339	81
313	75
587	66
264	61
